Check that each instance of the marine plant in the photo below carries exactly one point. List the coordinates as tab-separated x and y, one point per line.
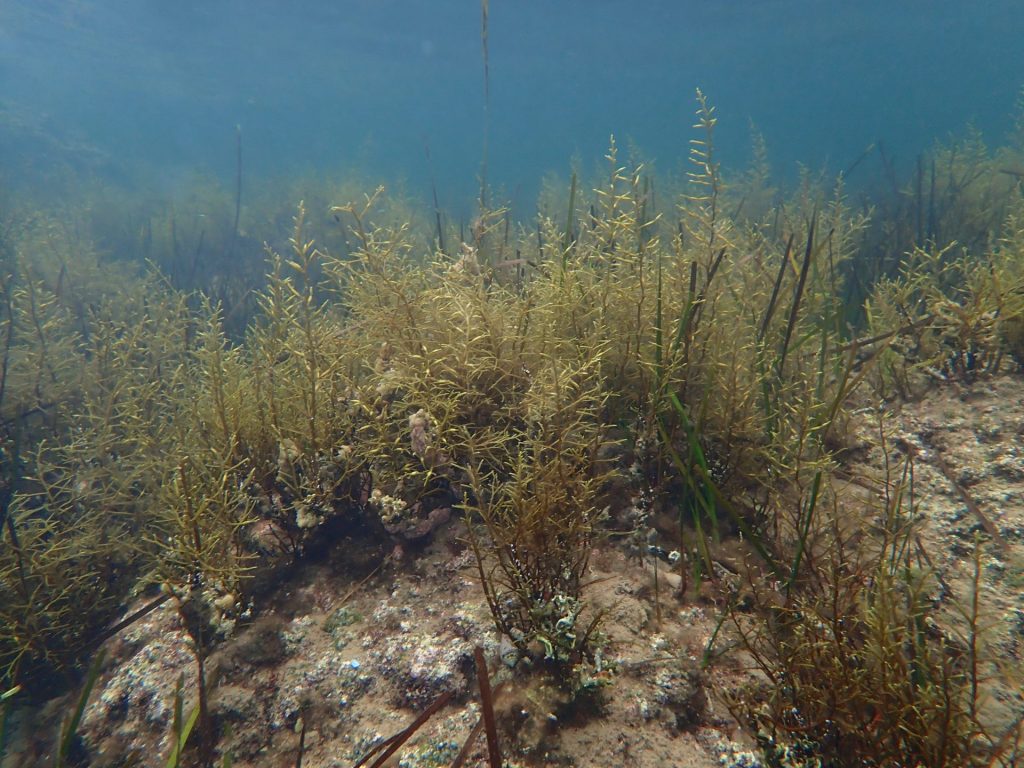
502	386
539	508
955	315
863	665
477	401
81	382
531	378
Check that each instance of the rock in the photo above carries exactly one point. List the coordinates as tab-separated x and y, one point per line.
681	693
259	645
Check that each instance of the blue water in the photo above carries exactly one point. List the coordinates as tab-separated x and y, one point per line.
157	87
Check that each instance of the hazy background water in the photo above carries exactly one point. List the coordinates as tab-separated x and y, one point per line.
150	90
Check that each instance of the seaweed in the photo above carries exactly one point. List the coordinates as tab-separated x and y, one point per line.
201	433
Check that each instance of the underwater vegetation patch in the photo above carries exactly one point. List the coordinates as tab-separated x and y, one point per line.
679	374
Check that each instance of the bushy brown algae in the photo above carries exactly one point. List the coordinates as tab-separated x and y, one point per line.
696	360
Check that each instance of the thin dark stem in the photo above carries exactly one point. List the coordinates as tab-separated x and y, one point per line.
238	188
775	290
437	205
798	293
487	704
484	13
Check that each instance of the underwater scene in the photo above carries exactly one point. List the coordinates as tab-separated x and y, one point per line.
509	384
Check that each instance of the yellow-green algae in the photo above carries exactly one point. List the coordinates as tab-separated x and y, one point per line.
698	360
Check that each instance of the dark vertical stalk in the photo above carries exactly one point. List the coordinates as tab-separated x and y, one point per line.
8	522
238	188
932	237
567	239
487	705
484	12
205	725
919	200
437	206
775	291
798	293
6	289
504	236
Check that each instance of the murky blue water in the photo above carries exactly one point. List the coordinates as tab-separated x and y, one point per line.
157	88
